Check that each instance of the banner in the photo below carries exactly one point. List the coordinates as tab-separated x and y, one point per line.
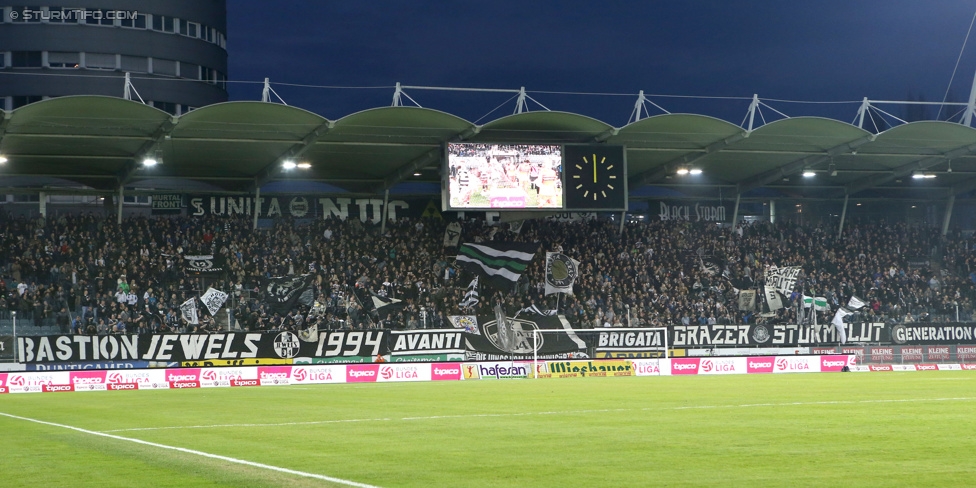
782	279
561	273
771	299
452	235
624	343
215	348
204	265
772	335
213	299
563	345
747	300
282	292
188	310
426	342
166	203
697	212
6	348
934	334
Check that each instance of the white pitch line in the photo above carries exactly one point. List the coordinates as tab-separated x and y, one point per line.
563	412
214	426
197	453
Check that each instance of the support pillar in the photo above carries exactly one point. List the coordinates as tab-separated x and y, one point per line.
772	211
623	215
257	206
42	204
121	197
735	213
948	214
384	213
843	217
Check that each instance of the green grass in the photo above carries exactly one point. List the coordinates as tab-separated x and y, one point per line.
870	429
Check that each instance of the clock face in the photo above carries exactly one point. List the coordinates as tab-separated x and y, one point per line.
596	177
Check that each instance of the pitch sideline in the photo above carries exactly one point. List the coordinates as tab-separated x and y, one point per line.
197	453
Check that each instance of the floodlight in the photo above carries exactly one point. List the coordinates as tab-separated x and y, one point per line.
683	171
304	165
149	162
809	174
3	159
288	164
695	172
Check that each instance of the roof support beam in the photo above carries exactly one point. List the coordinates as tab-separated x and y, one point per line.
3	124
670	167
162	132
906	169
420	162
294	151
794	166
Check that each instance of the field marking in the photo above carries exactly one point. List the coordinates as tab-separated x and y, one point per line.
197	453
553	412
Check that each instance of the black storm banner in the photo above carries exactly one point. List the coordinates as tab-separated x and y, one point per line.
561	343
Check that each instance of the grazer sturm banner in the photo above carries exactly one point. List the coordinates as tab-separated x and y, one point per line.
562	343
773	335
696	212
214	348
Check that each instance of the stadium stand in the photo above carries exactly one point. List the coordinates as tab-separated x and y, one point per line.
113	278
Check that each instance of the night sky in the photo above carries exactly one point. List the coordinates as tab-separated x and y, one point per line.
823	51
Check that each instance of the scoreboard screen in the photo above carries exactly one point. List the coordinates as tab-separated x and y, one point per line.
499	176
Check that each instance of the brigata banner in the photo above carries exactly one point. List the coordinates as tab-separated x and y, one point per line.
624	343
213	348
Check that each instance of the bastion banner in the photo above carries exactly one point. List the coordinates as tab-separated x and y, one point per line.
215	348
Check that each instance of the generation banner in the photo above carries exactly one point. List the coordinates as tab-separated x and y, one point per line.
934	334
205	348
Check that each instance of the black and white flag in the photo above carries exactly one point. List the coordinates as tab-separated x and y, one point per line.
385	303
501	263
471	298
208	264
783	279
747	300
452	235
561	273
283	292
213	299
189	311
534	309
856	303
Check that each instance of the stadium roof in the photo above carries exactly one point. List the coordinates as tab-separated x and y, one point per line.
99	142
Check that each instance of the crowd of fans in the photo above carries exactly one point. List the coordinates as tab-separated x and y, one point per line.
87	274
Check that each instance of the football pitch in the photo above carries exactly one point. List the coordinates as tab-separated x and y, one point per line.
828	429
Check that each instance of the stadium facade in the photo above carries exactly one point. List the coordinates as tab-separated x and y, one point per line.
174	51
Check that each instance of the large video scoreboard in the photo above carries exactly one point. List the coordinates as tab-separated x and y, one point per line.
497	176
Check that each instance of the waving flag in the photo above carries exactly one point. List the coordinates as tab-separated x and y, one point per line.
501	263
